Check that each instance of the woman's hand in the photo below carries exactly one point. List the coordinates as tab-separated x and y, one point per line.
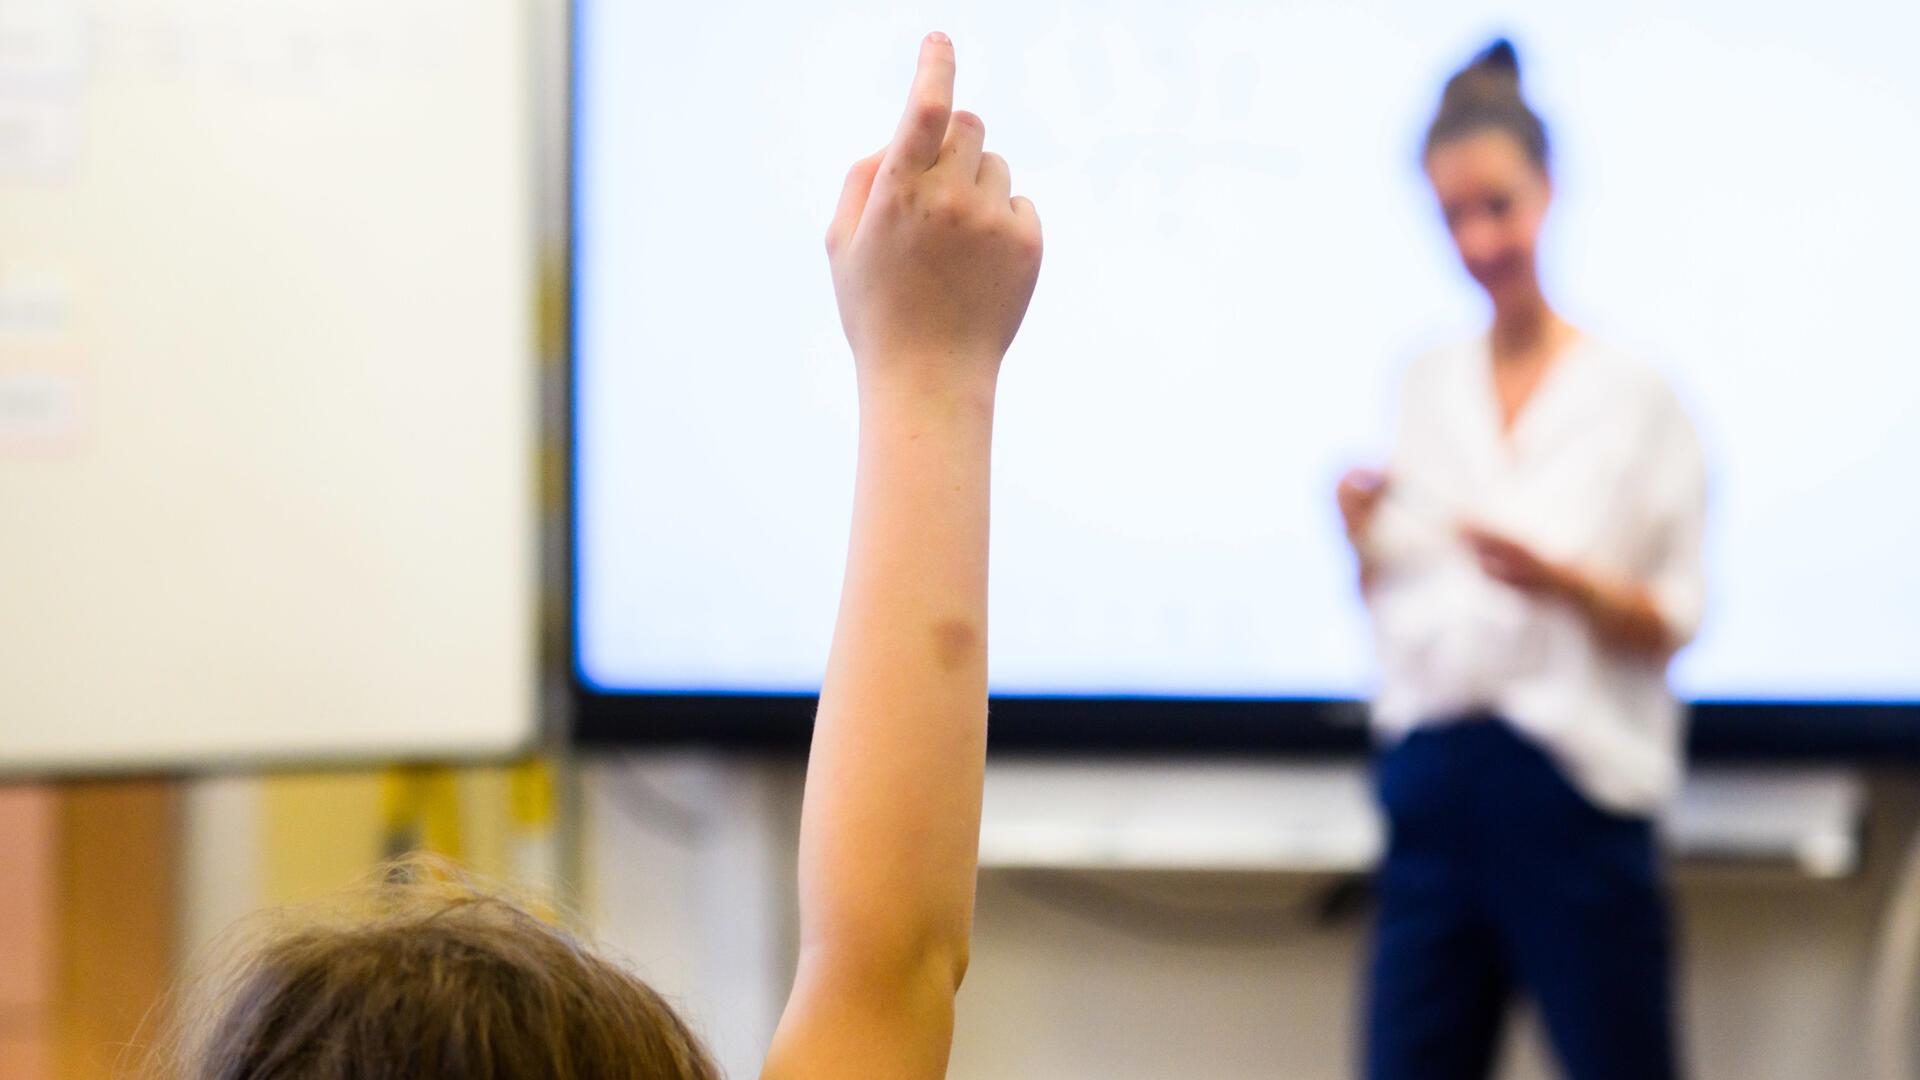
1622	615
1359	494
1513	563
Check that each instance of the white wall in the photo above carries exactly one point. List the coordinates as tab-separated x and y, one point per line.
690	860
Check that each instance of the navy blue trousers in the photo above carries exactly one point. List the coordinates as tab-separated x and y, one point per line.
1501	879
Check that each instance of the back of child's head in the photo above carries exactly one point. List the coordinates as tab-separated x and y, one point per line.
422	975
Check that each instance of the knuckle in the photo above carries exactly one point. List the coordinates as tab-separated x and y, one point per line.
1030	242
1019	241
929	114
949	205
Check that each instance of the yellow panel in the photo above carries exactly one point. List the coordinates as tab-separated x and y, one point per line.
322	831
485	831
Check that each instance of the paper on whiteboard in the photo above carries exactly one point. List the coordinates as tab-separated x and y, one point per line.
38	409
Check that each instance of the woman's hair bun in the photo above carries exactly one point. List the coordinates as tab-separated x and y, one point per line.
1485	95
1491	77
1498	56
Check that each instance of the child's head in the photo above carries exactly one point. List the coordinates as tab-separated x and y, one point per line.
422	975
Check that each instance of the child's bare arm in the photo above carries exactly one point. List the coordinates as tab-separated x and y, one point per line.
933	263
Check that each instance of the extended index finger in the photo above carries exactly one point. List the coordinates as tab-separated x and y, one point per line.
916	144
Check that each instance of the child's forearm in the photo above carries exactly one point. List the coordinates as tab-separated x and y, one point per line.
893	787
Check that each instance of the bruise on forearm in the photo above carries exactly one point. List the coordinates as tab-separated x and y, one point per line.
956	643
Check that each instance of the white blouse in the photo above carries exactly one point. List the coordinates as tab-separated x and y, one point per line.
1602	469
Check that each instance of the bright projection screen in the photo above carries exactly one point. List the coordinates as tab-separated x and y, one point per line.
1241	258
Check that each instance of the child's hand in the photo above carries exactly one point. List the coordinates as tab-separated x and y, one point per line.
933	262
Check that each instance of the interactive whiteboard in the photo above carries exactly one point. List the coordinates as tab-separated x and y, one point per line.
1242	254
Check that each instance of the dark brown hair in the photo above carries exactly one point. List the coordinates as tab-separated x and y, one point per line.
422	975
1485	96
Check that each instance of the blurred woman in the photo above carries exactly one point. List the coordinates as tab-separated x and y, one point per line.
1531	561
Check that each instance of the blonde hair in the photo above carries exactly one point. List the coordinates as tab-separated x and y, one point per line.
421	973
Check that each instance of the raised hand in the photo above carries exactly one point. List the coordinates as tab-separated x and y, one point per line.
934	260
933	263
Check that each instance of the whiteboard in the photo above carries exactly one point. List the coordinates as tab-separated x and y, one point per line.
267	382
